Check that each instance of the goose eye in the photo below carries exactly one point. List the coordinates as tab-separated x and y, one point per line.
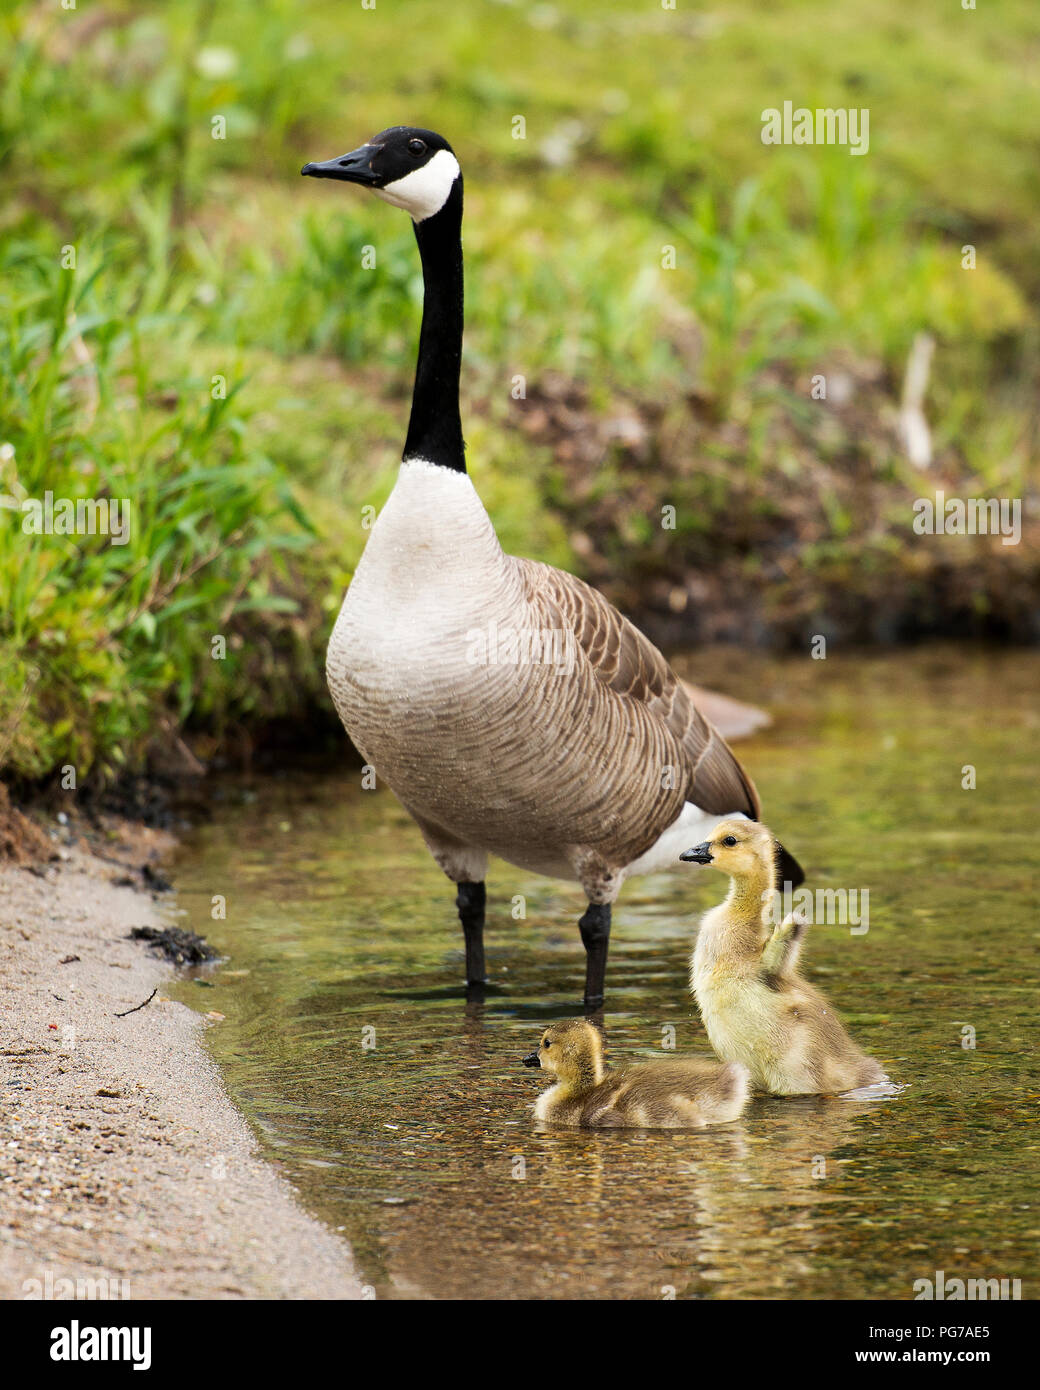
547	1044
417	146
730	840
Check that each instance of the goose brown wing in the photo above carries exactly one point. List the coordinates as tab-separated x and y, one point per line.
626	662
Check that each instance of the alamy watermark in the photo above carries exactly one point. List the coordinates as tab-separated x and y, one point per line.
971	516
102	1288
521	646
829	907
798	125
67	516
949	1289
80	1342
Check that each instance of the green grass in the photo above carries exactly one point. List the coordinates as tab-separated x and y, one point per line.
199	258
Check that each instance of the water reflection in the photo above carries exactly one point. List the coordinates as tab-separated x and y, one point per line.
399	1107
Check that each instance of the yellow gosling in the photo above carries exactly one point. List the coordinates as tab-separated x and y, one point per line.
687	1093
756	1007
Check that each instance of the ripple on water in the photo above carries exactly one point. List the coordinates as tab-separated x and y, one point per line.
402	1113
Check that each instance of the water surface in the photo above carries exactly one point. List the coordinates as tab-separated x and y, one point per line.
401	1112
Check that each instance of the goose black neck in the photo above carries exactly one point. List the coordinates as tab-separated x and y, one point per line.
435	426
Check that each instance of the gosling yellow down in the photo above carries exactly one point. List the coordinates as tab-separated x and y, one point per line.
757	1009
687	1093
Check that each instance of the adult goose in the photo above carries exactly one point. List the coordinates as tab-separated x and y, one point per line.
511	709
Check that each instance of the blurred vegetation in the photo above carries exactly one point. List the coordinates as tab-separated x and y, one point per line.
219	355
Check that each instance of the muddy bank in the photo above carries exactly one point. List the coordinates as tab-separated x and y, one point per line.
800	517
121	1157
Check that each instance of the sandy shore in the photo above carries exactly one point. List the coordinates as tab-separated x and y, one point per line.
121	1156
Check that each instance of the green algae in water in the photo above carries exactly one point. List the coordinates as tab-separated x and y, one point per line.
400	1110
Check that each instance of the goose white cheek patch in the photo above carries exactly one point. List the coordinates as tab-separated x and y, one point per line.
424	191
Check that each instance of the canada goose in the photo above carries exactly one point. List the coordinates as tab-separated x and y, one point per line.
744	975
510	707
687	1093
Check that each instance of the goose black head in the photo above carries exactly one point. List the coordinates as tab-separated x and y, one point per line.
407	167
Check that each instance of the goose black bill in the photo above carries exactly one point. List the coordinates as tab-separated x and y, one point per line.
355	167
700	854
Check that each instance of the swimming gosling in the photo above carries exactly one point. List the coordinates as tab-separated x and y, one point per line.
757	1008
683	1094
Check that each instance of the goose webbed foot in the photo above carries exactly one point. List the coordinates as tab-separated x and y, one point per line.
470	902
595	935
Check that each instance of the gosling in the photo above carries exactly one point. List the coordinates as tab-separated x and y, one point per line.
757	1008
684	1094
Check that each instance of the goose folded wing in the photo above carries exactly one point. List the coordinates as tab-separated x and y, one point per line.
629	664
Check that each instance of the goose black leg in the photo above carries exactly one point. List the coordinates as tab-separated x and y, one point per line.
470	902
595	935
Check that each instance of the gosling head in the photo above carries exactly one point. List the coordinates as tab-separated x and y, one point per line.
406	166
737	848
571	1051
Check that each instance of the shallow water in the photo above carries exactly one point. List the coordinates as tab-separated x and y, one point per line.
401	1111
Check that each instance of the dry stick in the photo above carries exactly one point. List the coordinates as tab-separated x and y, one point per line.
154	992
913	426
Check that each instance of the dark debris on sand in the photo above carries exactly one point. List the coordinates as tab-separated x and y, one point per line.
181	947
